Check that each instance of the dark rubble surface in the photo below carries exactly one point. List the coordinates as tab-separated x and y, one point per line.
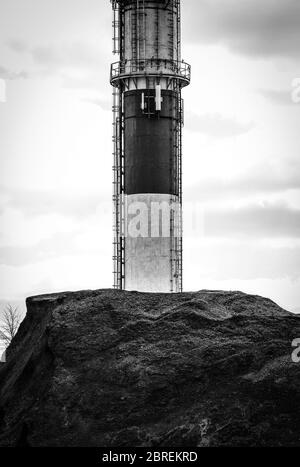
108	368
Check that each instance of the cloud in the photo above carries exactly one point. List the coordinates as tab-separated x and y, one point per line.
280	97
74	55
17	45
49	56
5	73
103	103
240	261
262	179
60	244
79	65
257	28
33	203
253	221
216	126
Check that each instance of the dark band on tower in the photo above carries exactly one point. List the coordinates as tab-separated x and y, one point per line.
148	120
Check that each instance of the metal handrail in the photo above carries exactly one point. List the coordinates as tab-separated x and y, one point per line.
171	68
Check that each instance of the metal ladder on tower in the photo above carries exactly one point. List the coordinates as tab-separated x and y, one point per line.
179	153
176	219
174	190
118	191
178	29
180	221
171	26
138	33
116	28
122	198
116	185
137	14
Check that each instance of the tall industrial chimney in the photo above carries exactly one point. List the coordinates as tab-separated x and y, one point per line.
148	121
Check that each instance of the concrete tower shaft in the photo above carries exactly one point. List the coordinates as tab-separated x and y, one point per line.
148	119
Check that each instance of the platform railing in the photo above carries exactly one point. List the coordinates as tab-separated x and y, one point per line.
150	67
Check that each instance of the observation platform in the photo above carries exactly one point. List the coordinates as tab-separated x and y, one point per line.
149	68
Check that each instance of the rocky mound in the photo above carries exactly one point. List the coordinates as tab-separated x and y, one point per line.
108	368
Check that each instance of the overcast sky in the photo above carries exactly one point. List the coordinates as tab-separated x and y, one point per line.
241	147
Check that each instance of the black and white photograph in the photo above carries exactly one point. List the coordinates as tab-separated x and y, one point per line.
149	228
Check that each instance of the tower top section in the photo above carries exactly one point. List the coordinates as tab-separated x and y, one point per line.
128	2
147	38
